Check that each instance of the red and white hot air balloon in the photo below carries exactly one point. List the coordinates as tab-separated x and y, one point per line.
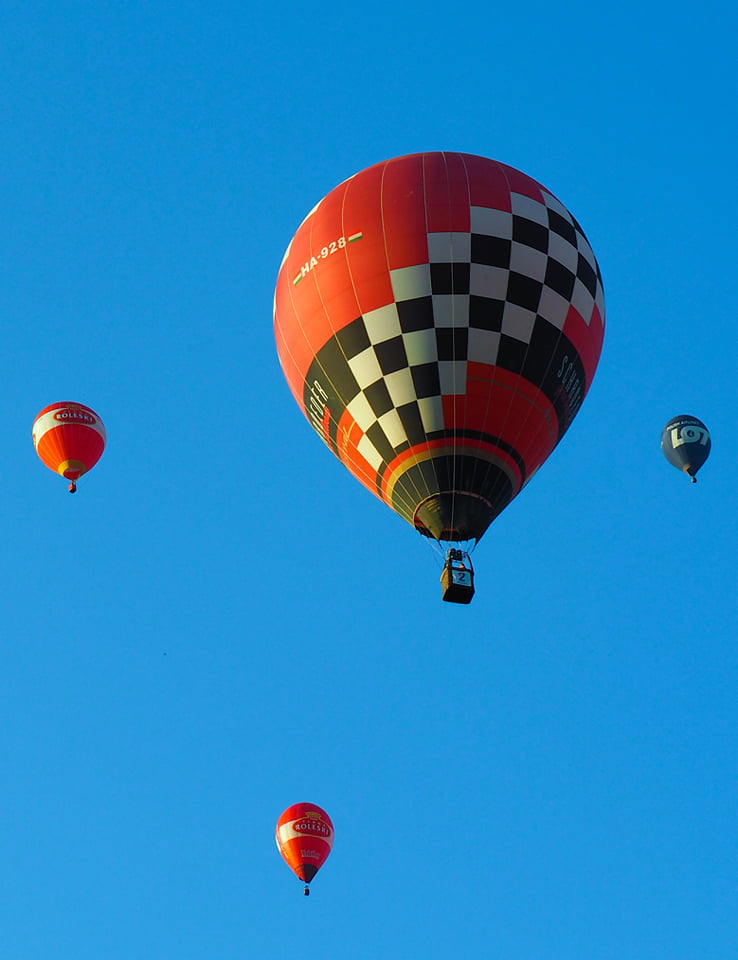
304	837
69	438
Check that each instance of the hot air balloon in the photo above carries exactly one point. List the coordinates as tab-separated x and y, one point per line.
439	318
304	837
69	438
686	444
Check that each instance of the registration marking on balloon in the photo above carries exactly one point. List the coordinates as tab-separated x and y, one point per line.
333	247
443	357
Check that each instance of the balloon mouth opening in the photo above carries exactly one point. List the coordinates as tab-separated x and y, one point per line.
306	872
454	516
71	469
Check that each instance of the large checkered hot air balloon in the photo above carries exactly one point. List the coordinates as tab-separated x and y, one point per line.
69	438
439	318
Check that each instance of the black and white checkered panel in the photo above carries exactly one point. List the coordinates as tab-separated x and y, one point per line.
484	296
395	364
527	267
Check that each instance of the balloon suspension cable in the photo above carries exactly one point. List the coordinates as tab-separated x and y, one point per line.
460	556
306	891
72	487
440	548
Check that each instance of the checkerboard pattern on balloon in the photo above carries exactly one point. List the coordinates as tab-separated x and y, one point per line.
483	297
439	318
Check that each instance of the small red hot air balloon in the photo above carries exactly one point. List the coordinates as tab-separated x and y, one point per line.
304	837
69	438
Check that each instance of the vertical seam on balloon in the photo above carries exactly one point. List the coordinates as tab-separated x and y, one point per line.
371	479
537	433
540	429
296	312
410	480
56	446
453	348
468	308
376	479
519	376
440	398
494	366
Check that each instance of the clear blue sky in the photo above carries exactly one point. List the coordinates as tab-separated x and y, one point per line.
222	622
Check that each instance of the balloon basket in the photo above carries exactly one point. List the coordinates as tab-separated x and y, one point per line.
457	579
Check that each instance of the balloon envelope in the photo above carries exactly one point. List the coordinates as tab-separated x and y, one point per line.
686	444
304	837
69	438
439	318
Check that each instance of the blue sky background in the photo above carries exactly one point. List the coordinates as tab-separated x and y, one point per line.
223	622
